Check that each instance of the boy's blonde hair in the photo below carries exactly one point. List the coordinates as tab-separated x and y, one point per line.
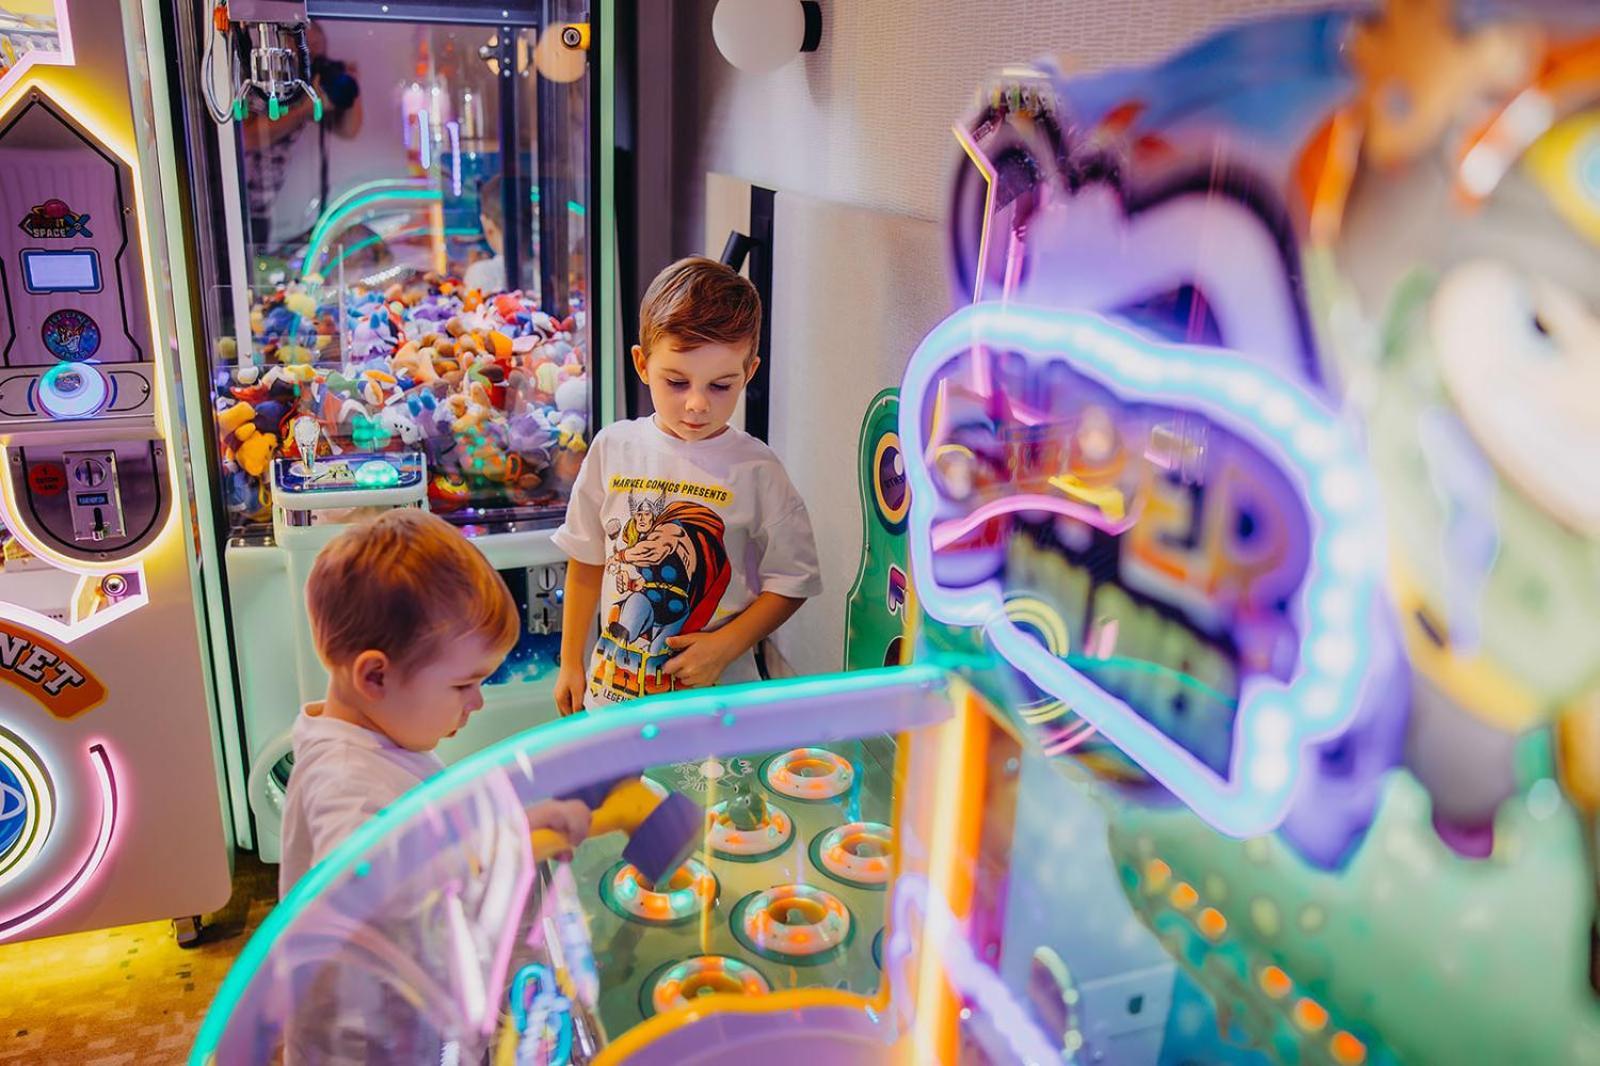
400	584
700	301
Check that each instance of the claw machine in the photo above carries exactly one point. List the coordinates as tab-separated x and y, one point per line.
398	214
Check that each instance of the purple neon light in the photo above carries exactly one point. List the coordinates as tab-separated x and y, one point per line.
454	129
949	532
1333	609
46	908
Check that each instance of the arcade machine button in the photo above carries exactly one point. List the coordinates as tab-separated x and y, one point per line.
73	390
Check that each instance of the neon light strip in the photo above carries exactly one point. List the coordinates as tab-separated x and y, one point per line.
1145	666
1072	739
1333	609
331	222
41	815
454	129
953	829
410	231
425	142
960	965
47	908
949	532
354	193
572	205
986	168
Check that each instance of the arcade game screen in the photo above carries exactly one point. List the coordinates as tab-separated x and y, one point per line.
416	276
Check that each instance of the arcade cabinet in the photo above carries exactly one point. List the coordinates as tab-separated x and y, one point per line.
1144	555
110	783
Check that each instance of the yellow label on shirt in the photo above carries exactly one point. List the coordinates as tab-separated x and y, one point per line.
710	493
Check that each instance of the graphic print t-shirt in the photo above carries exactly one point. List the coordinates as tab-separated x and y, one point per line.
689	533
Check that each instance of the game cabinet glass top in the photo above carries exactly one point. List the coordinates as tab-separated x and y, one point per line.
416	270
756	863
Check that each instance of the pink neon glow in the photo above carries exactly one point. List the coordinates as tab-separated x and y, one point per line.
949	532
1071	740
1015	250
1104	642
69	890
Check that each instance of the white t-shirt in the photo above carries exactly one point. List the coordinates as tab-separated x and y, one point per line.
343	775
689	532
487	275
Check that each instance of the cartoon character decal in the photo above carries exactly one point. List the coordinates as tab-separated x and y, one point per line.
670	570
71	334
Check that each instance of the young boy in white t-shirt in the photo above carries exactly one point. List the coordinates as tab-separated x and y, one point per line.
685	534
409	619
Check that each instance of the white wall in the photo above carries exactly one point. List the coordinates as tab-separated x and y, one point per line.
865	121
866	118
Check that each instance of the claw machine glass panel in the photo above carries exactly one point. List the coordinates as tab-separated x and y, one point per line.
416	269
393	214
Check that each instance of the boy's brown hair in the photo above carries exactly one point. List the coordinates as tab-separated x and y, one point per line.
400	584
699	301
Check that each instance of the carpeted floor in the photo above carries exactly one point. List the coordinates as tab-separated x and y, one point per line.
124	995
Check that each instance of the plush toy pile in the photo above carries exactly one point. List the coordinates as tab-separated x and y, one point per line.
492	389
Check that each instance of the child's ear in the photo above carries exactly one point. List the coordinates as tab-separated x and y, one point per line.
370	672
639	364
750	369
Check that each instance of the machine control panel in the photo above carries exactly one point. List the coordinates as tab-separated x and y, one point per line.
78	382
75	342
355	479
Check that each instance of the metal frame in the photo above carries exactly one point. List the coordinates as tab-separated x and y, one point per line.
471	12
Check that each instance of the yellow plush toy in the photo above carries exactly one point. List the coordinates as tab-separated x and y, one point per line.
252	449
230	421
254	452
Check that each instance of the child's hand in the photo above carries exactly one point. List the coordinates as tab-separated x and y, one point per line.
701	658
570	818
571	687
